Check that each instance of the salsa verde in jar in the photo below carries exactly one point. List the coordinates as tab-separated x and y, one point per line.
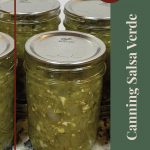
64	72
6	90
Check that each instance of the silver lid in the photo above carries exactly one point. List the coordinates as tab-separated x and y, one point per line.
29	7
6	45
88	9
65	48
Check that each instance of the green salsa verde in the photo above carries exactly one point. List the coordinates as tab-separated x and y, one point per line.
6	88
64	86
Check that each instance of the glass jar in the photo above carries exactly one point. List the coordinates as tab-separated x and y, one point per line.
6	88
64	72
33	16
90	16
93	17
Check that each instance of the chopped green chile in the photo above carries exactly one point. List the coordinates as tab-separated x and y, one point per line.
6	94
63	99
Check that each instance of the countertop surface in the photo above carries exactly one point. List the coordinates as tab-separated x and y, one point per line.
96	147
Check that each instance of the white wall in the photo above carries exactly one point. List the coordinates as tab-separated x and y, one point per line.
61	27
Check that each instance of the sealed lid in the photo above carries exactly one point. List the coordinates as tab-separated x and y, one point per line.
65	48
6	45
88	9
30	7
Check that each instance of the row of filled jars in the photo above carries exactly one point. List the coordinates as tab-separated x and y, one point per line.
60	74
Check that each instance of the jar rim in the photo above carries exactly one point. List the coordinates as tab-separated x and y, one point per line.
76	9
6	45
66	48
52	9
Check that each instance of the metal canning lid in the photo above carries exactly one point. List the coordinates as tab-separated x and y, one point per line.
65	48
30	7
88	9
6	45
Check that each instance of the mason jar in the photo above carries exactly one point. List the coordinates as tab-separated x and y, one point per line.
64	72
6	90
93	17
32	17
90	16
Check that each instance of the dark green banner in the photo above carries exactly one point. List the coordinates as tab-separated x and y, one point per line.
130	76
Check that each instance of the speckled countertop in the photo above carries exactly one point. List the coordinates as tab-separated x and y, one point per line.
96	147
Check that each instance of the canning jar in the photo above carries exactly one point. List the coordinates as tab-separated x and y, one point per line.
33	16
90	16
93	17
6	90
64	72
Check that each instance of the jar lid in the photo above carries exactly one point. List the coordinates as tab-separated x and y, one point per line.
6	45
65	48
88	9
30	7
